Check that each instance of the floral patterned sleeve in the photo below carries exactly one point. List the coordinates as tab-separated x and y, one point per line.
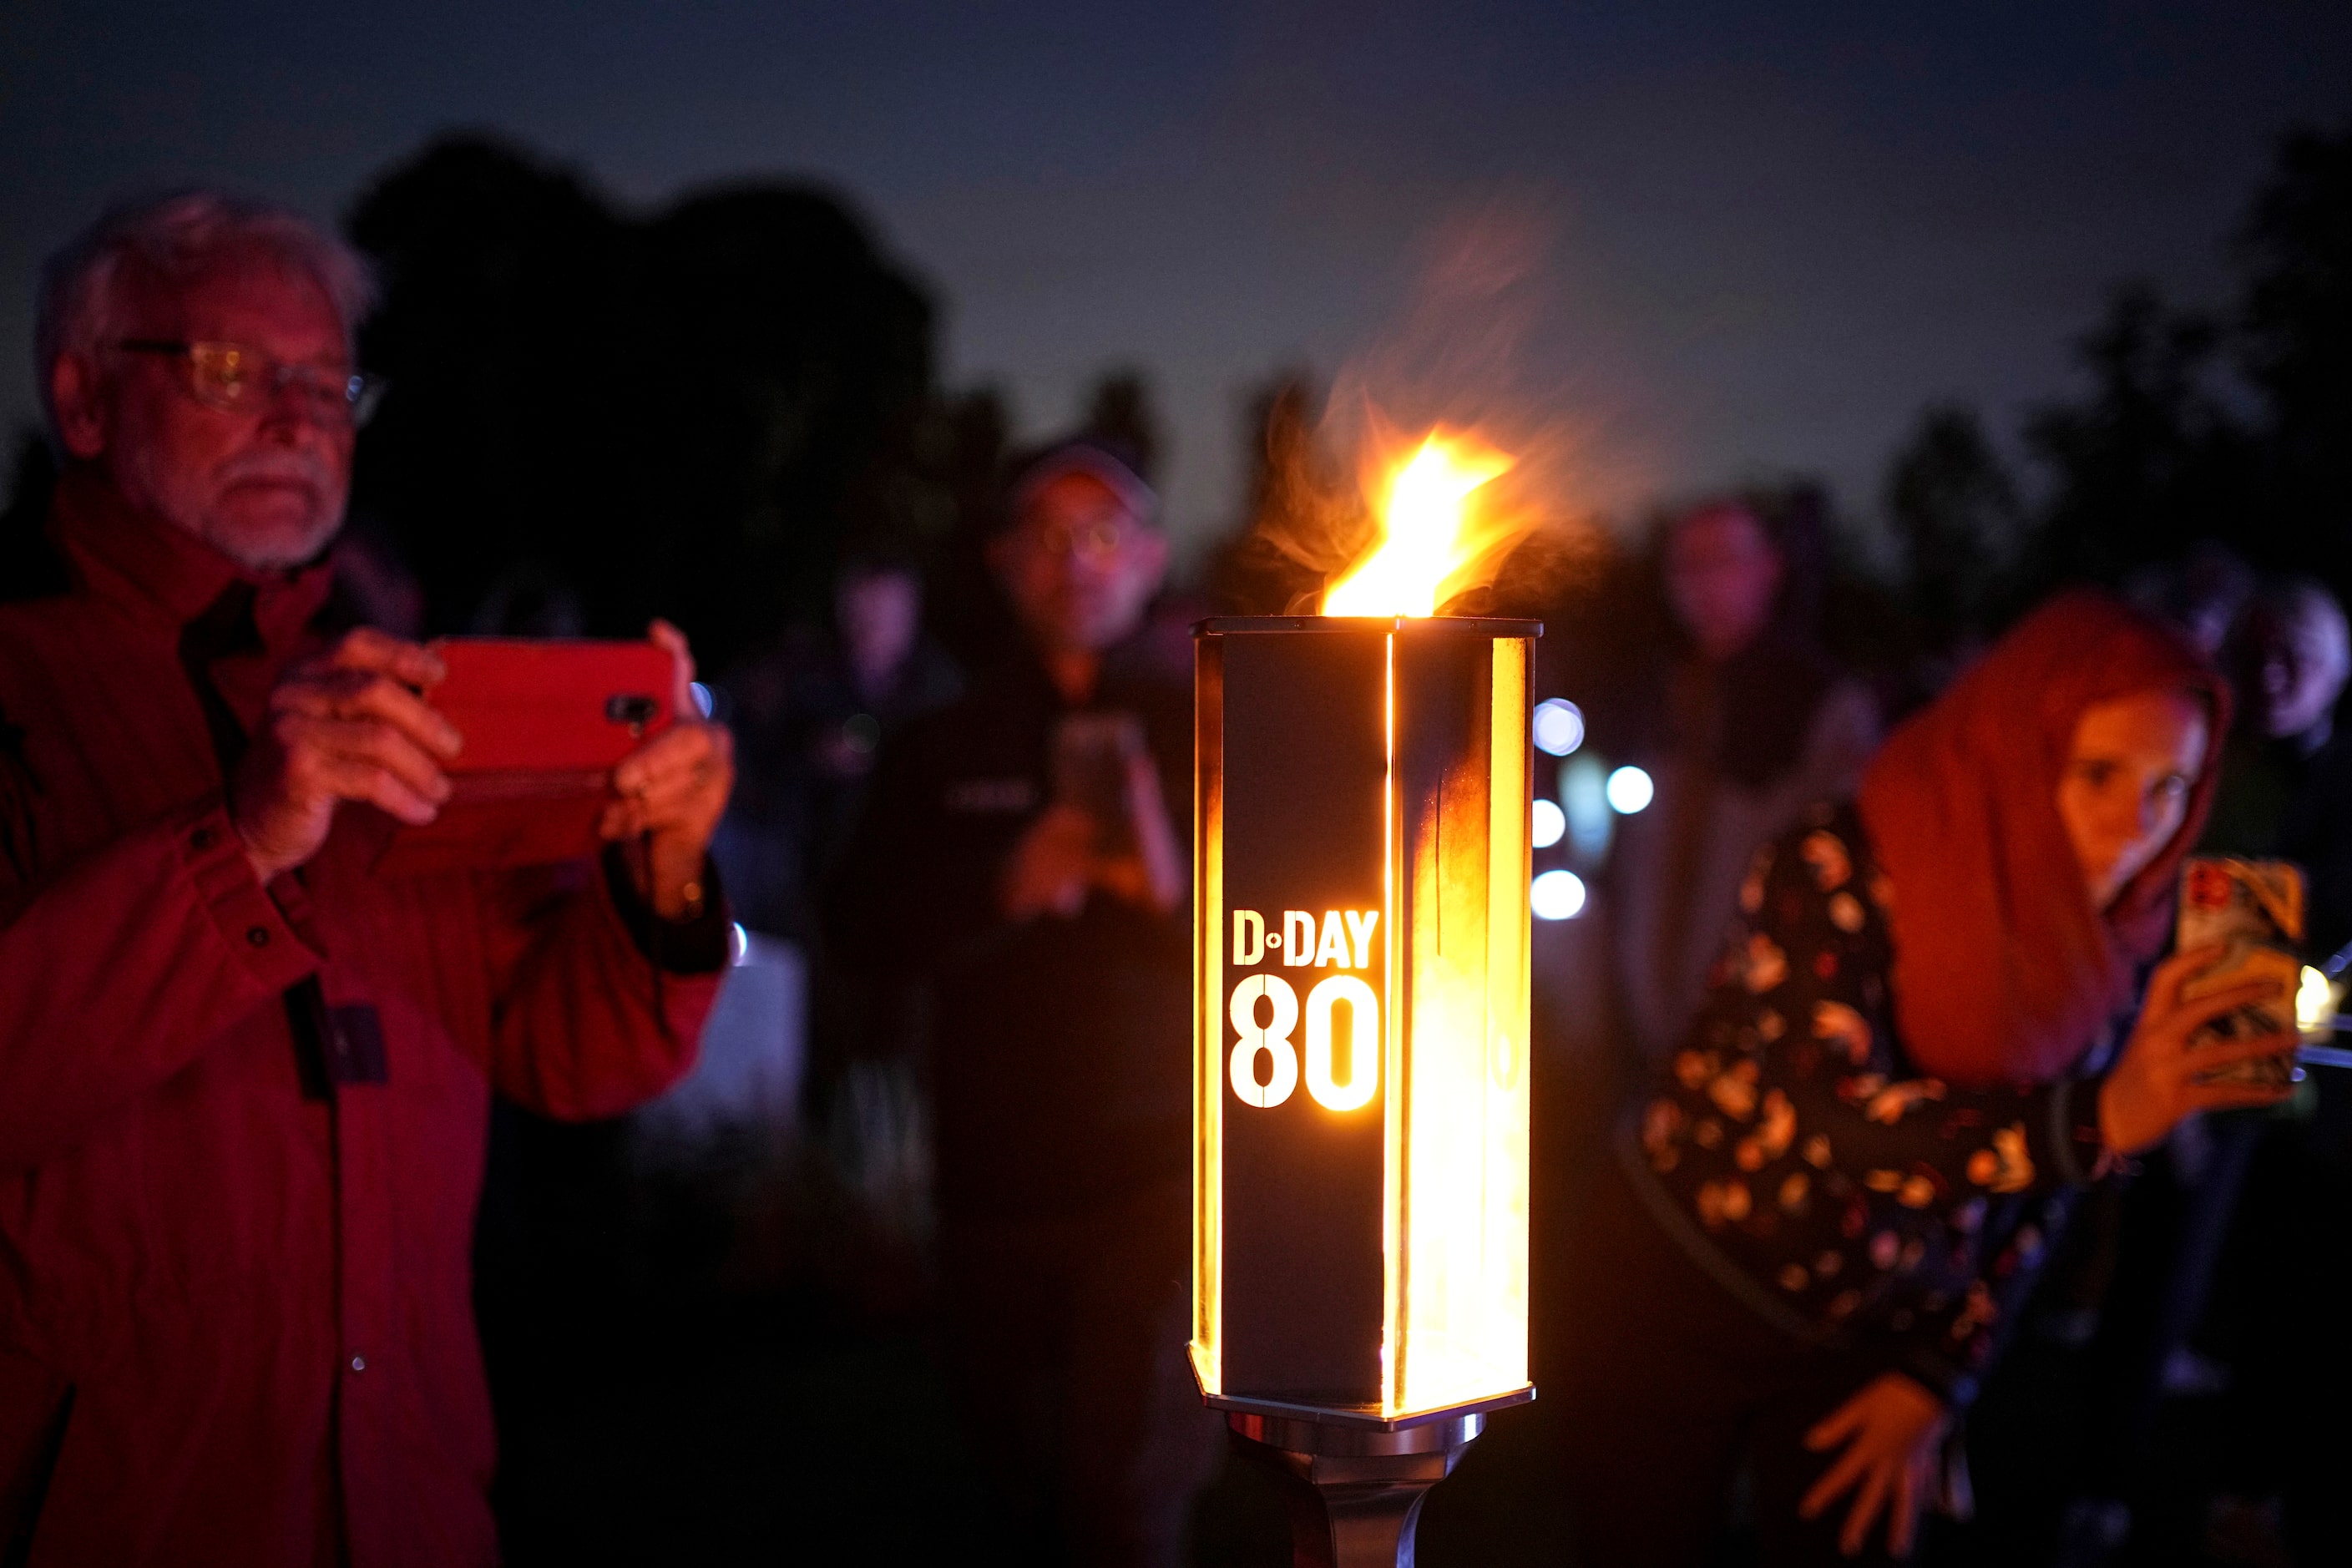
1800	1158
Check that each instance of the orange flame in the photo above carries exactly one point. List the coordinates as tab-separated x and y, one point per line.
1430	539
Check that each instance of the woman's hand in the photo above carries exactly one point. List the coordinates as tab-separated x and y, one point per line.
2160	1077
1893	1430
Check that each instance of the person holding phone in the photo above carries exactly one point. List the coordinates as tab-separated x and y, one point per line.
245	1079
1022	860
2282	783
1846	1177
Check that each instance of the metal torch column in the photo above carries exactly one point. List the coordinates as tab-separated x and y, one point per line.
1355	1495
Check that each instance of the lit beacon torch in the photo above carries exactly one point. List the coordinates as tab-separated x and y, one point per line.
1360	1074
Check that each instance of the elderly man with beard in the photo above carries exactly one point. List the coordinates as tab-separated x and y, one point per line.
244	1080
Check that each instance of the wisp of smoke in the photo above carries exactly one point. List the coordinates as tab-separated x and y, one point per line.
1450	364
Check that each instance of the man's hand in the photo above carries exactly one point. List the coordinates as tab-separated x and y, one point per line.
2156	1082
1892	1430
1052	866
349	726
1058	860
1152	874
671	792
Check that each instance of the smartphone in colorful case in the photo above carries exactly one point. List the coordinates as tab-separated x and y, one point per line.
2253	911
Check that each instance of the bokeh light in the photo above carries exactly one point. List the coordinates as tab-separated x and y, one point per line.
2315	1001
1560	726
1630	790
1556	896
1550	823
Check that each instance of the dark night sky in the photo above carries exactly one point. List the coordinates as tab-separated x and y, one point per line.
1774	232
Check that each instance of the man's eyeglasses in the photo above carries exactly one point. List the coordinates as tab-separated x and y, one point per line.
237	379
1095	541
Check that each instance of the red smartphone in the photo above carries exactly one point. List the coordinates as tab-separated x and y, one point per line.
544	723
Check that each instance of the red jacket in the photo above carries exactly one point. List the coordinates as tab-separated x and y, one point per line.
236	1323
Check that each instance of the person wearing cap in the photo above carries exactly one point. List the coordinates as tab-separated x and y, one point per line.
1018	858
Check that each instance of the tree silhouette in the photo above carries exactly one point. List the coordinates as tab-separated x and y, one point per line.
2232	426
495	452
1956	516
683	415
2152	461
965	608
2295	346
1122	412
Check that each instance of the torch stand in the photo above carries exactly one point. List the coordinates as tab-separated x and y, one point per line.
1355	1494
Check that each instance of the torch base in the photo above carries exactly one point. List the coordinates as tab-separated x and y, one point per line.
1355	1495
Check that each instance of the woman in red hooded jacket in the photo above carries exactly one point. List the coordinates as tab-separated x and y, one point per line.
1843	1182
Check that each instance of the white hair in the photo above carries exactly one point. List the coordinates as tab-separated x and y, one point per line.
172	241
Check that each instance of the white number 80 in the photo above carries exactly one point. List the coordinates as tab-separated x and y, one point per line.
1273	1037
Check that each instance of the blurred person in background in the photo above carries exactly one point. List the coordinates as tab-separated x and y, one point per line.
1839	1187
244	1080
1741	720
2288	657
2200	592
810	716
1725	697
2294	1223
1023	852
2285	790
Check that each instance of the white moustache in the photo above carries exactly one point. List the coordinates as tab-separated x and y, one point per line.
276	468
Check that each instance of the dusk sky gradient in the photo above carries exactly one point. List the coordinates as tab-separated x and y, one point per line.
1772	233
